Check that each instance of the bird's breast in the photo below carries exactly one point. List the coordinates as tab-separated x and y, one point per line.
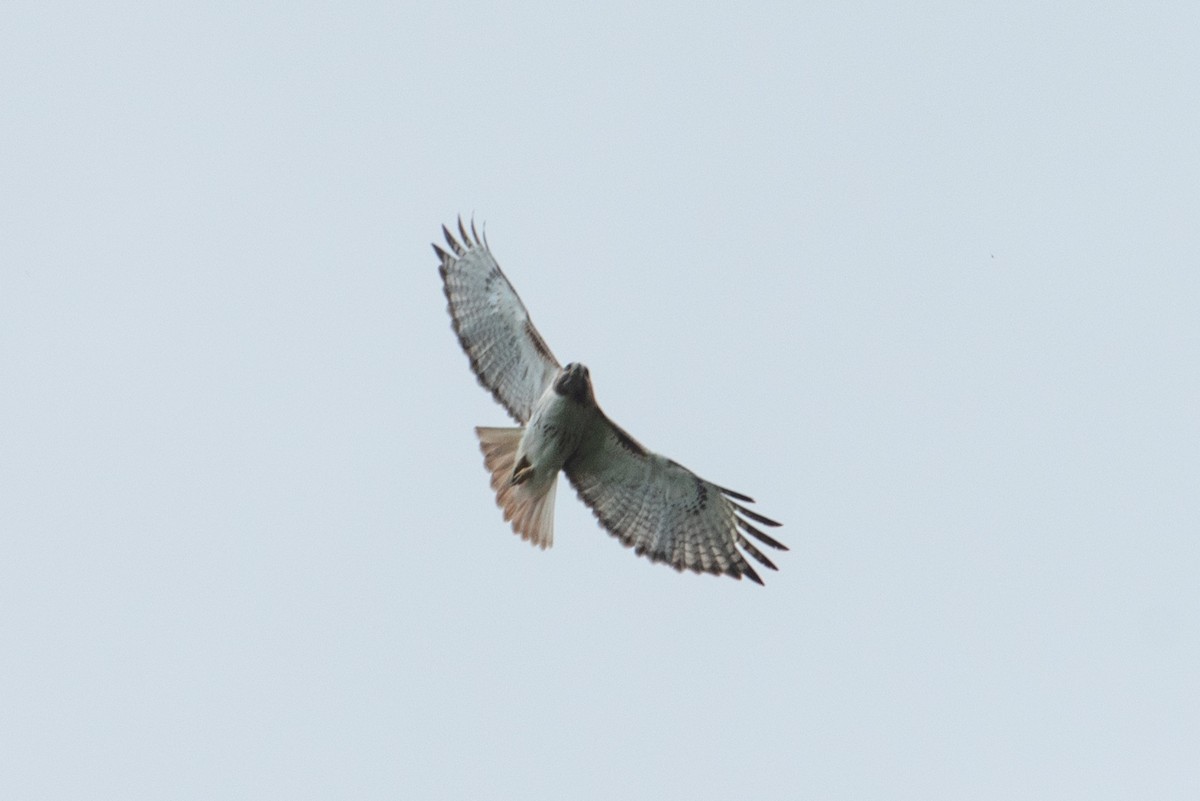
553	432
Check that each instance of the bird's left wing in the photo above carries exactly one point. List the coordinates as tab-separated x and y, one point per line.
663	510
507	353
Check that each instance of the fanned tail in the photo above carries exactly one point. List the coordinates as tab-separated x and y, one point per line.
529	509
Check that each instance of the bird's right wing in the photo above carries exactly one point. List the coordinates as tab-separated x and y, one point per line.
507	353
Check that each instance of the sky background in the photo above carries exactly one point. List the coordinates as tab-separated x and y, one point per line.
922	279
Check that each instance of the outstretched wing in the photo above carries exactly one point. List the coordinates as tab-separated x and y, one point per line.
506	351
663	510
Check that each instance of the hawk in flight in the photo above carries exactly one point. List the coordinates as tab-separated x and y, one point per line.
651	504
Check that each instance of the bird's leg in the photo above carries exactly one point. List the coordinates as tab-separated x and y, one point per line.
522	471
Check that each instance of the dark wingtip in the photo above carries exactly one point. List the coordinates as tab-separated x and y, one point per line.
749	548
452	242
749	573
738	495
766	539
755	516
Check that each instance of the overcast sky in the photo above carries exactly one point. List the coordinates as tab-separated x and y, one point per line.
922	279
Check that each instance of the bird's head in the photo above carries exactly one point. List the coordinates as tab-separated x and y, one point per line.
575	383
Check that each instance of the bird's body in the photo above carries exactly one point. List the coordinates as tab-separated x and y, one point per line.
525	462
649	502
559	422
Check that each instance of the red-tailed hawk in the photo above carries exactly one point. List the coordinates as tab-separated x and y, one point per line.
651	504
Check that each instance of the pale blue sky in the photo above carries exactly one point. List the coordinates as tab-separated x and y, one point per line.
922	279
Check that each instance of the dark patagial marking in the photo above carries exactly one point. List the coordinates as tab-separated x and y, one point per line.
539	344
627	442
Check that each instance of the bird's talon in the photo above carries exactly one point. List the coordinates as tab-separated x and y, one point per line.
522	471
